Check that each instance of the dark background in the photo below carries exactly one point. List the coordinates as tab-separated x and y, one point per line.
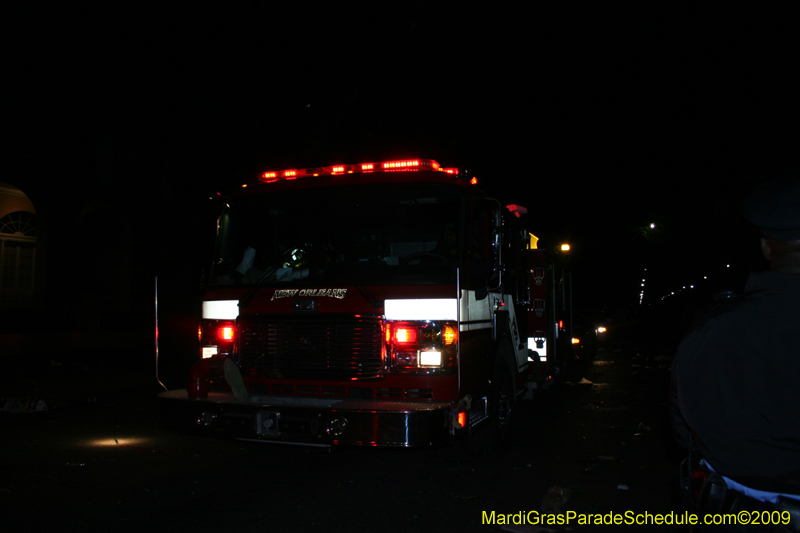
120	121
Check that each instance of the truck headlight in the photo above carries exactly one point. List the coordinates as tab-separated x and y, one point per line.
430	358
421	346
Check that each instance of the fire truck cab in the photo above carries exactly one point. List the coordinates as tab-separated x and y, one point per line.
381	304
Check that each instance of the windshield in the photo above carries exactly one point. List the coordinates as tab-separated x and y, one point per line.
365	234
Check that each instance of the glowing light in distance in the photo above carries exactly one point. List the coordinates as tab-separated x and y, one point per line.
118	441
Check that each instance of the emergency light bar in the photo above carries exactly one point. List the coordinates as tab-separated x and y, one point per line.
409	165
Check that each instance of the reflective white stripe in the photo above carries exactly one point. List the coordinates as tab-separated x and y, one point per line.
430	309
221	309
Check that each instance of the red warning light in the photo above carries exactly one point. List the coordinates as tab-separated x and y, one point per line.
405	335
225	333
401	164
409	165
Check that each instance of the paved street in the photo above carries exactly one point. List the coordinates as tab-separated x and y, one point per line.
102	462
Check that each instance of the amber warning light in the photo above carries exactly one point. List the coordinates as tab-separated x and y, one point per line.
409	165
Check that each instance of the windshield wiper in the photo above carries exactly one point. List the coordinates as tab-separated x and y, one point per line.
369	297
244	301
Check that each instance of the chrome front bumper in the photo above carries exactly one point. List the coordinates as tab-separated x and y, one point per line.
311	421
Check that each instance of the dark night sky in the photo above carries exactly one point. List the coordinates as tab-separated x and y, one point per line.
600	121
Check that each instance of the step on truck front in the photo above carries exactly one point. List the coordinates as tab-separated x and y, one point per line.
311	421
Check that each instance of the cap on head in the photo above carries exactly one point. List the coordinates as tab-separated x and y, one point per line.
775	208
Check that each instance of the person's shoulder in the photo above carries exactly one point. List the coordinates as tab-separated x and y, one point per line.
772	283
764	292
728	313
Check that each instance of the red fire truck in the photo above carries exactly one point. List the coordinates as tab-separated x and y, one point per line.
380	304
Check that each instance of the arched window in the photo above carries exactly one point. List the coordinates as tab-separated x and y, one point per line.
17	259
18	224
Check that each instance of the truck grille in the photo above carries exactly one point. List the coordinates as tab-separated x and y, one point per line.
310	347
